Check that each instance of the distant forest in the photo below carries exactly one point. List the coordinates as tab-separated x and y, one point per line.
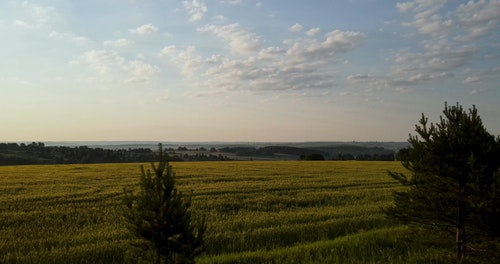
340	152
38	153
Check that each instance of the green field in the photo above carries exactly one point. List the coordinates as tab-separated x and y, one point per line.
257	212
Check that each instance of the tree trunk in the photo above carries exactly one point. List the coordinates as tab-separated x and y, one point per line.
461	219
461	243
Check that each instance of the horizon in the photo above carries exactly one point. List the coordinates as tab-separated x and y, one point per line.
132	142
243	70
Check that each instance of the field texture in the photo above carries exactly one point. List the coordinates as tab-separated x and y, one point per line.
257	212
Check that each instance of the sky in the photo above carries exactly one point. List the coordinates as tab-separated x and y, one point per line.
243	70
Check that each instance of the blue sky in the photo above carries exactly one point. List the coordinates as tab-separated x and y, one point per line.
243	70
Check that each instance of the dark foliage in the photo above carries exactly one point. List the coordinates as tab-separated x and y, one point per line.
334	152
38	153
455	181
312	157
160	215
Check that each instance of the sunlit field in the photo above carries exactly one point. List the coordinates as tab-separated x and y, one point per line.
257	212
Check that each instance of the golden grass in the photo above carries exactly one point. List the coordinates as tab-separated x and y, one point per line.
50	213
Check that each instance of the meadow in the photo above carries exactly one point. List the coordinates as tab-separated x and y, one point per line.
257	212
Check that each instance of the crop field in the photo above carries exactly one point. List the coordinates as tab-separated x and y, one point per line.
257	212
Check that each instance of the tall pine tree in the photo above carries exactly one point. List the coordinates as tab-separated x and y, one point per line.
160	215
455	181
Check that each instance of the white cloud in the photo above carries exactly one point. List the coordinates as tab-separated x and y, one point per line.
102	61
405	6
467	22
446	39
117	43
240	40
361	78
478	18
70	37
195	9
139	71
232	2
426	18
314	51
474	92
296	28
270	53
258	4
482	75
22	24
81	41
111	67
57	35
472	79
186	59
143	30
37	16
313	31
220	18
299	65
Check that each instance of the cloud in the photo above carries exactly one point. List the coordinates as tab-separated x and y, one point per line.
296	28
300	65
312	50
81	41
220	18
476	77
361	78
426	19
117	43
195	9
102	61
405	6
239	40
38	16
313	31
70	37
420	78
478	18
472	79
111	67
232	2
23	24
186	59
139	71
447	37
143	30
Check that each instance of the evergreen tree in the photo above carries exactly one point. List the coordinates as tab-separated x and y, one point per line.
454	183
161	216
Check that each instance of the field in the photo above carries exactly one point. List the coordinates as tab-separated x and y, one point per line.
257	212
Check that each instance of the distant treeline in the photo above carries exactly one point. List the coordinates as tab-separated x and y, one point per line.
38	153
320	153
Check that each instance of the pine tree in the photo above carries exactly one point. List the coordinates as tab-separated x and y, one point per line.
160	215
454	183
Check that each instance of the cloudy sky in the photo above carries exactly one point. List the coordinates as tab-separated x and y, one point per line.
243	70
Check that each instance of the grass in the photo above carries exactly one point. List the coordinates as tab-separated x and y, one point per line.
257	212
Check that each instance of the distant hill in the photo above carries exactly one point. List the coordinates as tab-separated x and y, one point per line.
335	152
220	144
133	151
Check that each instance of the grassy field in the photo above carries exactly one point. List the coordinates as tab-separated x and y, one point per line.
257	212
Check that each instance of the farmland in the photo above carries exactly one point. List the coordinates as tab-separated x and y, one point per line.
257	212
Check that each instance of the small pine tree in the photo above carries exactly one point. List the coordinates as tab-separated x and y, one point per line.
454	183
160	215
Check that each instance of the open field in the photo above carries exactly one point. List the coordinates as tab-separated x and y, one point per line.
257	212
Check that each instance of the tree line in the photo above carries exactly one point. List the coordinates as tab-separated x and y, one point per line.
38	153
324	153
